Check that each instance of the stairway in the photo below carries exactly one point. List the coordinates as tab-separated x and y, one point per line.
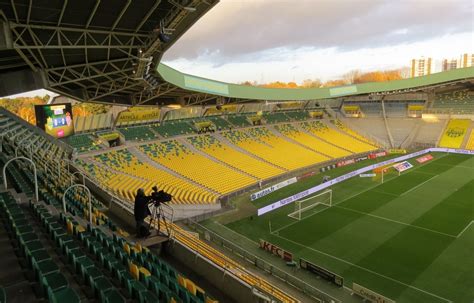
384	114
413	134
467	135
292	141
227	142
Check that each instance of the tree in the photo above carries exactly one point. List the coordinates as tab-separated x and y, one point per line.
308	83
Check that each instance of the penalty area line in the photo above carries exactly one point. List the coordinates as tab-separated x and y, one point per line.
365	269
421	184
465	228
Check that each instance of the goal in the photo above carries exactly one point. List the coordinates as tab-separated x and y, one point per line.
301	206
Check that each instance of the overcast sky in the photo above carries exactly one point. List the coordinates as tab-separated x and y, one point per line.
293	40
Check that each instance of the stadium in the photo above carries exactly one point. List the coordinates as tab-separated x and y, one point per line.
353	193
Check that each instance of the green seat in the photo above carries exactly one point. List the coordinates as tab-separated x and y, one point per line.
38	256
75	255
82	264
147	297
64	295
135	288
54	282
32	246
91	274
113	296
46	267
101	286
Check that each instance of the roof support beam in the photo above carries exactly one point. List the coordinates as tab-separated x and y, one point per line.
121	14
94	10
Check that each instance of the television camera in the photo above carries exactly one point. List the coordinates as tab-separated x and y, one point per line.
158	197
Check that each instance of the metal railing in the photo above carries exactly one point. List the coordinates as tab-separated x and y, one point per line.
260	263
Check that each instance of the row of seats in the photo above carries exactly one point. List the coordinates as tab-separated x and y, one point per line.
174	128
337	138
136	174
82	143
274	149
137	133
311	141
276	117
114	268
53	284
454	133
251	165
461	102
208	173
351	132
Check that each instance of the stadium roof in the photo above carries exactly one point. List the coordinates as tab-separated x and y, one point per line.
109	51
90	50
245	92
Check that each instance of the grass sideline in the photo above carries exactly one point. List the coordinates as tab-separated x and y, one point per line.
415	230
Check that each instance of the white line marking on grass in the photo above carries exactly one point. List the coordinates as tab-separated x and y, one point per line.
395	221
421	184
348	198
276	232
465	228
366	269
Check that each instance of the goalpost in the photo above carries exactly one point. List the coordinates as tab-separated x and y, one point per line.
301	206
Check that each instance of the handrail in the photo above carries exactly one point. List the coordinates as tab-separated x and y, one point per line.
34	170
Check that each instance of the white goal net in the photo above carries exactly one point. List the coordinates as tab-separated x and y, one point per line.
308	203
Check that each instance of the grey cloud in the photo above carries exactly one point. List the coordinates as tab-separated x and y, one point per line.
237	30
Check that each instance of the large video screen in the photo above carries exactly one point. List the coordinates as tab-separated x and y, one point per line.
55	119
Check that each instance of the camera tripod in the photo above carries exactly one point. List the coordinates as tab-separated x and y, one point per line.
155	217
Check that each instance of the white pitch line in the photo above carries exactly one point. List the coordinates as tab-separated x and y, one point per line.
465	228
395	221
421	184
372	187
366	269
354	195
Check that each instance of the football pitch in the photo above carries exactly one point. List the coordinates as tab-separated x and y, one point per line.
410	238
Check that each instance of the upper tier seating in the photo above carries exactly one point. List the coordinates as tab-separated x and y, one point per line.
219	122
276	117
174	128
461	102
227	154
297	115
136	174
239	120
337	138
311	141
196	167
137	133
82	143
454	133
262	143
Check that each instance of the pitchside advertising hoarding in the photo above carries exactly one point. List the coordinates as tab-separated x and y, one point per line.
275	250
322	272
271	189
305	193
402	166
370	295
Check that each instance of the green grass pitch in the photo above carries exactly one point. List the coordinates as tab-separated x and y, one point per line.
410	238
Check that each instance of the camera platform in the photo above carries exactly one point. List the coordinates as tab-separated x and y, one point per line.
151	240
